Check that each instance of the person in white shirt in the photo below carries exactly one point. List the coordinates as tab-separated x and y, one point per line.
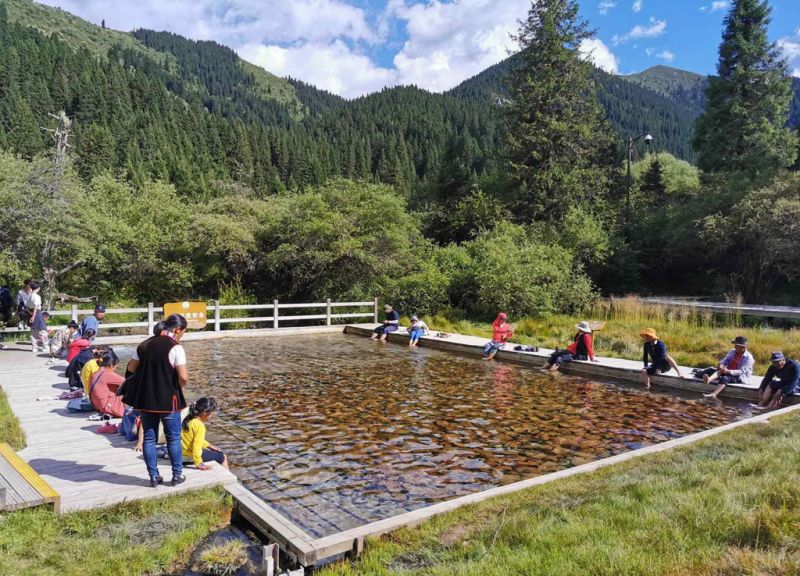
417	330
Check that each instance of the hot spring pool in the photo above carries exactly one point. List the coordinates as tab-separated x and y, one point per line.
336	431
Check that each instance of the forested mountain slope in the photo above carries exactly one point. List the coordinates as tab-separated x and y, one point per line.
156	105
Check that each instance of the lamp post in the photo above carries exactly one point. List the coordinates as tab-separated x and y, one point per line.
648	140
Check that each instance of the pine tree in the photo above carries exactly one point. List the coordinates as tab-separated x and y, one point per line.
653	186
743	129
559	144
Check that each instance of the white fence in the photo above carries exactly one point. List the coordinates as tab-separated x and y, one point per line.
217	320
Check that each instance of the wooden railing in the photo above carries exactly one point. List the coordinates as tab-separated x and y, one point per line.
216	321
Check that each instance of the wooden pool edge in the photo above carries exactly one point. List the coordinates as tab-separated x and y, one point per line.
604	369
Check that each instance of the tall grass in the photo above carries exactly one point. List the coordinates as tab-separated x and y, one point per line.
694	337
10	431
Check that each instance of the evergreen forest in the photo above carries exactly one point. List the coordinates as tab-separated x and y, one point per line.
192	173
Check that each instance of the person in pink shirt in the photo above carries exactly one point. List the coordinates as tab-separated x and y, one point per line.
501	333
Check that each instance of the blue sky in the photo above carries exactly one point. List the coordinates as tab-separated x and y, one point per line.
354	47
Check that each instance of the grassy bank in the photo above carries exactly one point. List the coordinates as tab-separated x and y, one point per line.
10	432
728	505
694	339
144	537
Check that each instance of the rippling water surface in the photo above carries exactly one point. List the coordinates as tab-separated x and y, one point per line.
336	431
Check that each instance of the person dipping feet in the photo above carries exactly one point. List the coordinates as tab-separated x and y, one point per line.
390	324
655	350
501	333
782	379
580	349
735	368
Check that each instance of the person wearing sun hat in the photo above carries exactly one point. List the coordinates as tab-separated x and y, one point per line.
580	349
656	351
782	379
501	332
735	368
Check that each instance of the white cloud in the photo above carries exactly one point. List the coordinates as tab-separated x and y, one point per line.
791	51
233	22
790	48
605	6
656	28
449	42
638	5
666	56
600	55
332	66
715	6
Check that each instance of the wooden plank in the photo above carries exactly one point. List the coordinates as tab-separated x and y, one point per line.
343	304
246	306
312	305
274	525
23	480
729	308
246	319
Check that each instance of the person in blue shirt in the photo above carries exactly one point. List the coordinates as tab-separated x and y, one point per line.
390	324
781	380
92	322
656	351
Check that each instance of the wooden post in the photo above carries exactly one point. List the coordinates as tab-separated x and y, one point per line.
376	311
150	318
217	316
270	555
274	313
328	313
75	312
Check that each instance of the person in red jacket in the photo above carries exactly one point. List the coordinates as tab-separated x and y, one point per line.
580	349
501	332
80	344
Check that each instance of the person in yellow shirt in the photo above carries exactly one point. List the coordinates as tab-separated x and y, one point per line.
92	367
193	435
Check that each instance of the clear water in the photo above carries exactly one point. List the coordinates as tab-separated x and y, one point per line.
336	431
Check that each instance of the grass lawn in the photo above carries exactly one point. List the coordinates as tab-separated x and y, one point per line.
729	505
693	339
144	537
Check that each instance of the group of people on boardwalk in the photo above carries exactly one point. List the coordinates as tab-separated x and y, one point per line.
781	380
149	396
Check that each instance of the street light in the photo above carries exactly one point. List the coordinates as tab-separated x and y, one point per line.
648	140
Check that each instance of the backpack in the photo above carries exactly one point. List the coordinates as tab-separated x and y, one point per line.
129	426
80	405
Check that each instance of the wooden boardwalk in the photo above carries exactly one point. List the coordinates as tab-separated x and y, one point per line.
87	469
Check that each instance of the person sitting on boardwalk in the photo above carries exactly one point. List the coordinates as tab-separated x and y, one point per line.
104	385
390	324
92	366
782	379
80	343
155	389
61	341
580	349
417	330
501	333
656	351
193	435
93	322
735	368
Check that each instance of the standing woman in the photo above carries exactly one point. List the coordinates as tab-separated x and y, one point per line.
160	374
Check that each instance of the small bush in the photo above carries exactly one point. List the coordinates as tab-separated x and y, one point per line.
224	559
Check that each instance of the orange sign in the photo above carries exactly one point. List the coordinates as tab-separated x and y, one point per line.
194	312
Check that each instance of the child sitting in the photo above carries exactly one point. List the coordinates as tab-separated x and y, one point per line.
193	435
417	330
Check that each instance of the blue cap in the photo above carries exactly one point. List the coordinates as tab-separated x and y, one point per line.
99	308
777	357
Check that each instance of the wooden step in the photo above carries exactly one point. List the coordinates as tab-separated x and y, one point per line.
20	485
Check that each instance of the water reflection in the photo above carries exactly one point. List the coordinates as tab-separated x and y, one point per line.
335	431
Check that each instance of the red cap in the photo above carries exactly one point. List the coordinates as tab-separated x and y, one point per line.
502	315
